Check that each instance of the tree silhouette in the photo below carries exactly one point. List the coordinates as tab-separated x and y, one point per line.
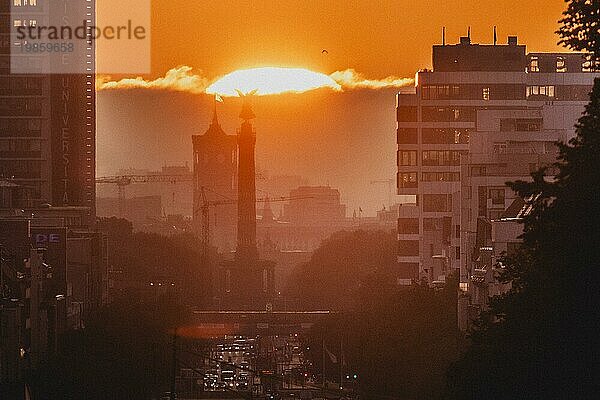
539	339
580	27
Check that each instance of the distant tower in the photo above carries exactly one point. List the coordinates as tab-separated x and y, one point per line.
246	231
215	168
247	282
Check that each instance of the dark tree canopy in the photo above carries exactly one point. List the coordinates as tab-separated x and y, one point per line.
539	339
580	29
339	266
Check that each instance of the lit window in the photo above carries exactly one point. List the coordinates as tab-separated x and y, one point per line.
536	90
534	64
407	180
486	93
561	65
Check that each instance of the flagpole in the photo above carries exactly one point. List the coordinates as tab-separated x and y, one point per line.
323	366
341	360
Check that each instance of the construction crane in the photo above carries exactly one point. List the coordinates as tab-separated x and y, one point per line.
205	214
125	180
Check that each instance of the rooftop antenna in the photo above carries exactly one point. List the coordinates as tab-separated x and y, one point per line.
495	36
469	33
443	35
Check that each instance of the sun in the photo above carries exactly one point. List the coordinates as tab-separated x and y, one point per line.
271	80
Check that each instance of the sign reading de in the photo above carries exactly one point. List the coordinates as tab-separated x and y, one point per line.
54	240
44	238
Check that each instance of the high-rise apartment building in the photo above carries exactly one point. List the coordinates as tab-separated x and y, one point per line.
513	103
47	121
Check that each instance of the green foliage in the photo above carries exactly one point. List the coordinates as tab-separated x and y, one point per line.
580	29
537	340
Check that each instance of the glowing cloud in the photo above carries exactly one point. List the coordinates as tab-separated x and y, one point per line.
351	79
271	80
180	79
268	81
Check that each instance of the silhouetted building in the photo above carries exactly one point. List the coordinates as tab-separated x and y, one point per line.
469	85
47	123
139	210
215	172
316	205
53	275
312	214
506	145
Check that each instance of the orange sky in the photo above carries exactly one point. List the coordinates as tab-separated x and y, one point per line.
346	138
377	38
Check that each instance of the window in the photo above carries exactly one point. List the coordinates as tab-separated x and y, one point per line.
590	66
445	136
432	224
407	114
457	253
500	148
539	91
573	92
534	64
437	202
521	124
486	93
433	92
408	225
407	158
408	248
448	114
441	157
561	64
478	170
407	136
497	196
441	177
407	180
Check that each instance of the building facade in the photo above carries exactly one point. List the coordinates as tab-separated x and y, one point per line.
47	121
215	157
513	104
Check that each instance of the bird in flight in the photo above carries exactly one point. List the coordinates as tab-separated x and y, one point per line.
324	51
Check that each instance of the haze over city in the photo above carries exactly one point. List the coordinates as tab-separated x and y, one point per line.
313	134
299	200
